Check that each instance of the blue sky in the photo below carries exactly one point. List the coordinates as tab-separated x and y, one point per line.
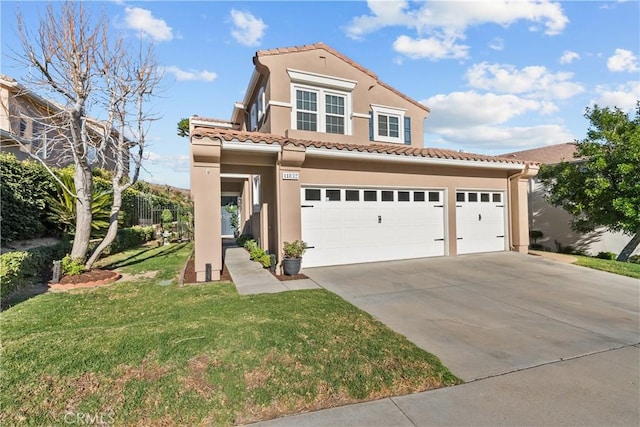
498	76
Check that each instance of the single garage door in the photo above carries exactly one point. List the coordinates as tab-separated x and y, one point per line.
353	225
480	225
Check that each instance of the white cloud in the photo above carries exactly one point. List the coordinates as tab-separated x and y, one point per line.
248	30
462	109
568	57
441	24
623	60
535	81
480	121
483	139
623	96
429	48
143	21
191	75
497	44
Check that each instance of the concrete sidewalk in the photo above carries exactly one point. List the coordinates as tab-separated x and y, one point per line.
592	390
251	278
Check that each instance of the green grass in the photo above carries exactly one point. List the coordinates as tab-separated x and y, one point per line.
145	354
623	268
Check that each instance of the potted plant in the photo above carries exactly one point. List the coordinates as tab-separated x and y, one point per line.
292	259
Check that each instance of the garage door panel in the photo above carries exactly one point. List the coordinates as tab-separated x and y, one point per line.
348	231
480	225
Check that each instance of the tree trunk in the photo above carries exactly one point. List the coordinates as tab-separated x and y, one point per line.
83	181
112	231
631	246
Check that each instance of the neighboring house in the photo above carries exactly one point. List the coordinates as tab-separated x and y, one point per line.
554	222
32	125
322	150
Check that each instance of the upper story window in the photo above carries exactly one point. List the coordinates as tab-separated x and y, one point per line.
321	110
261	103
321	103
253	124
22	128
389	124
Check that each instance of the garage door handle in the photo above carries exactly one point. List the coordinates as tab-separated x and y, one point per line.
311	247
438	206
459	238
438	240
306	206
499	237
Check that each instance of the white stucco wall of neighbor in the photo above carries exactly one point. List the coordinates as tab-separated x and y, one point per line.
555	224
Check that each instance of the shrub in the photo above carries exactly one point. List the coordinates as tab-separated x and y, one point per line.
606	255
12	266
250	245
22	267
265	260
71	267
240	241
24	187
130	238
294	249
634	259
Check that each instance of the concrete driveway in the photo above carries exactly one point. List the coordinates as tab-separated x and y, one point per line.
490	314
538	342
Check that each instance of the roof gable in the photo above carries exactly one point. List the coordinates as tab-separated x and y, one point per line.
328	49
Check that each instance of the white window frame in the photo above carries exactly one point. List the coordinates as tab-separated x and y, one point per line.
321	122
253	118
261	103
388	111
322	85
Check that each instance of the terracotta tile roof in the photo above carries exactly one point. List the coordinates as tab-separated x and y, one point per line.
349	61
397	149
547	155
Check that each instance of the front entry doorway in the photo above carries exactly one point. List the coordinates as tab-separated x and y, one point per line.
229	211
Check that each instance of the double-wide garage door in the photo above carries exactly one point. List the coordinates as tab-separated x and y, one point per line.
352	225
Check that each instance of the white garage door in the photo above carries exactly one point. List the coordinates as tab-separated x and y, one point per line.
351	225
480	225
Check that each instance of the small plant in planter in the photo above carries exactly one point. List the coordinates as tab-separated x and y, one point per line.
292	259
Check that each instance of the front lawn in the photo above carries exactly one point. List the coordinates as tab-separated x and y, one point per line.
623	268
149	352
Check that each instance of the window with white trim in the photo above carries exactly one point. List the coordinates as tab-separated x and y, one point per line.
388	124
261	103
321	110
254	118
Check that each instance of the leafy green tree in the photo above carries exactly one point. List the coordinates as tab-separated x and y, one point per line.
601	187
183	127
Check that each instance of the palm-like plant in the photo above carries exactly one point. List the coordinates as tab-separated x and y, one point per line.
63	206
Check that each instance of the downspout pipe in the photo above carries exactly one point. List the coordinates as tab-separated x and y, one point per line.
510	178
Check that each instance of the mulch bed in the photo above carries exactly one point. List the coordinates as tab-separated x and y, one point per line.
86	279
284	277
190	273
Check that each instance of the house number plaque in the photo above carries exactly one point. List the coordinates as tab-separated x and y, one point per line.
290	176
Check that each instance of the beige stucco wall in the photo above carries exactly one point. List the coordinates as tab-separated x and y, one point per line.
555	223
277	84
278	217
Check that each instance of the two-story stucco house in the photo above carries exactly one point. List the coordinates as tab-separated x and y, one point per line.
322	150
31	125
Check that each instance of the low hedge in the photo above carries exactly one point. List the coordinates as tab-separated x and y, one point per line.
127	238
131	237
20	268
